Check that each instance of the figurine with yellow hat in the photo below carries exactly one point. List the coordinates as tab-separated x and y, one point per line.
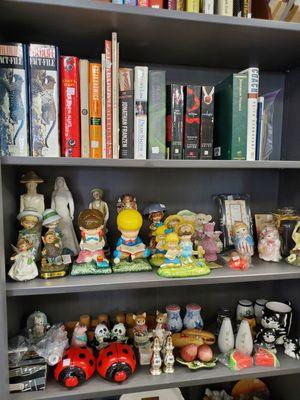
131	253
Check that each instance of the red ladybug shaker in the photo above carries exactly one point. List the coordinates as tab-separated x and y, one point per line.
116	362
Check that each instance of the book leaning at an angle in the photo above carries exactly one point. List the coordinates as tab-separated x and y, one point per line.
225	7
95	111
84	108
140	112
115	96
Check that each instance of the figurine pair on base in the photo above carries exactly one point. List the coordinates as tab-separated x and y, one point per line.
168	358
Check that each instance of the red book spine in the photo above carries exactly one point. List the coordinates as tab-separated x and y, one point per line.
143	3
70	106
109	137
172	5
156	3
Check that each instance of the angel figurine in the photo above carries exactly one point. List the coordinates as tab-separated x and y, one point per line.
24	267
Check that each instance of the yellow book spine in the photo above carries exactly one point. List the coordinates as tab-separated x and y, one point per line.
95	111
193	6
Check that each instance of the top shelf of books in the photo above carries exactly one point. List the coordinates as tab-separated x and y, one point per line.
153	35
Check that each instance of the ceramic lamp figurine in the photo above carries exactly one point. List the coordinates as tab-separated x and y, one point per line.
269	244
294	257
131	253
91	259
126	202
31	199
30	220
24	267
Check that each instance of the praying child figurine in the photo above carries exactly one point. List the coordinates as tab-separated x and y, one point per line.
243	241
269	244
24	267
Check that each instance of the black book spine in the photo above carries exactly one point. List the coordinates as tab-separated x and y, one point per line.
207	122
175	107
192	122
126	114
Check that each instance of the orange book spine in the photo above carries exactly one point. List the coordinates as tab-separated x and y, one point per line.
95	111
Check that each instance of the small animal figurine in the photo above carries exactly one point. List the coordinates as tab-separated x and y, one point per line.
155	213
269	244
172	248
238	261
171	221
156	360
126	202
209	241
79	337
37	325
169	359
294	257
118	333
185	231
292	348
24	267
243	241
161	326
140	328
267	338
102	335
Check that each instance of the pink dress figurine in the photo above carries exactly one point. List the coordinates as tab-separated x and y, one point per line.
269	244
209	242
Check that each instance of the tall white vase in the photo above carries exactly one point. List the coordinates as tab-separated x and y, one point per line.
244	341
226	337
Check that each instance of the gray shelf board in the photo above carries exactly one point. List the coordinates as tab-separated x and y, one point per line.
261	271
122	163
142	381
213	41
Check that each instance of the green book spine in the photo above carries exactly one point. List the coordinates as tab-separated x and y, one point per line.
157	115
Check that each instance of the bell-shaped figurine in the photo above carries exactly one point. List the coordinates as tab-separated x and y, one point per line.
169	359
156	360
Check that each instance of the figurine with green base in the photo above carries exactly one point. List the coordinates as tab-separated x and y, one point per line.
91	259
159	235
131	253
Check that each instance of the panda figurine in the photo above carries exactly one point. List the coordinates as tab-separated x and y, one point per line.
118	333
102	336
267	338
292	348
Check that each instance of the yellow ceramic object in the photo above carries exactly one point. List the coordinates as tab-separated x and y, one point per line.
129	220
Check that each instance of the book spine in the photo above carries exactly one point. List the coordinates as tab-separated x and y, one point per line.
175	105
225	7
260	117
253	87
140	118
126	113
14	104
95	111
117	1
171	4
115	96
84	108
180	5
143	3
156	4
108	66
246	9
130	2
207	122
157	115
103	101
69	110
193	6
43	69
192	122
208	6
239	117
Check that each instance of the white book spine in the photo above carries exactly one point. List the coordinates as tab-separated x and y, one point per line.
115	95
103	101
208	6
225	7
140	112
84	108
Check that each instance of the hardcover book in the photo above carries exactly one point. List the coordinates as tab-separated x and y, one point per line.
70	110
231	105
193	6
171	4
247	9
207	122
157	115
130	2
208	6
225	7
103	101
192	122
175	106
108	65
115	95
43	100
84	108
260	126
156	4
95	111
180	5
13	105
143	3
140	117
126	113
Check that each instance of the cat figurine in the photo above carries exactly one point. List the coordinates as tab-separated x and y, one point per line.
292	348
267	339
140	328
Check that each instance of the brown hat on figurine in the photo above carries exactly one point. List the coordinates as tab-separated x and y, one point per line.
90	219
31	176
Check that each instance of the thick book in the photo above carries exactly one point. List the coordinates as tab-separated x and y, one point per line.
14	106
172	4
225	7
253	87
231	112
43	63
108	80
115	95
260	125
84	108
103	106
126	113
69	106
208	6
175	116
157	115
193	6
247	8
140	112
95	111
192	122
207	122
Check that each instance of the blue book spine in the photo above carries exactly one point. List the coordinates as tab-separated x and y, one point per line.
130	2
260	110
117	1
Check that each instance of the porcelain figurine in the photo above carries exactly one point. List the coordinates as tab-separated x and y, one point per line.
209	241
266	338
131	253
30	220
200	220
37	325
192	318
172	248
269	244
102	335
244	341
99	204
126	202
238	261
171	221
156	360
244	309
169	359
62	201
185	231
24	267
79	338
242	240
278	316
160	330
31	199
226	336
155	213
292	348
187	215
91	258
294	257
118	333
174	321
140	330
160	240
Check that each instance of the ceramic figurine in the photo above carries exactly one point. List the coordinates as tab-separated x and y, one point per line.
244	341
156	360
24	267
185	231
140	330
259	305
131	253
187	215
160	330
200	220
62	201
102	335
294	257
172	248
238	261
292	348
193	317
226	337
91	259
269	244
174	321
169	359
99	204
160	239
243	241
209	241
171	221
79	338
32	199
118	333
278	316
37	325
126	202
244	309
30	220
155	213
267	338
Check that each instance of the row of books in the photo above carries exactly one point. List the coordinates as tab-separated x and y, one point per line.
285	10
240	8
